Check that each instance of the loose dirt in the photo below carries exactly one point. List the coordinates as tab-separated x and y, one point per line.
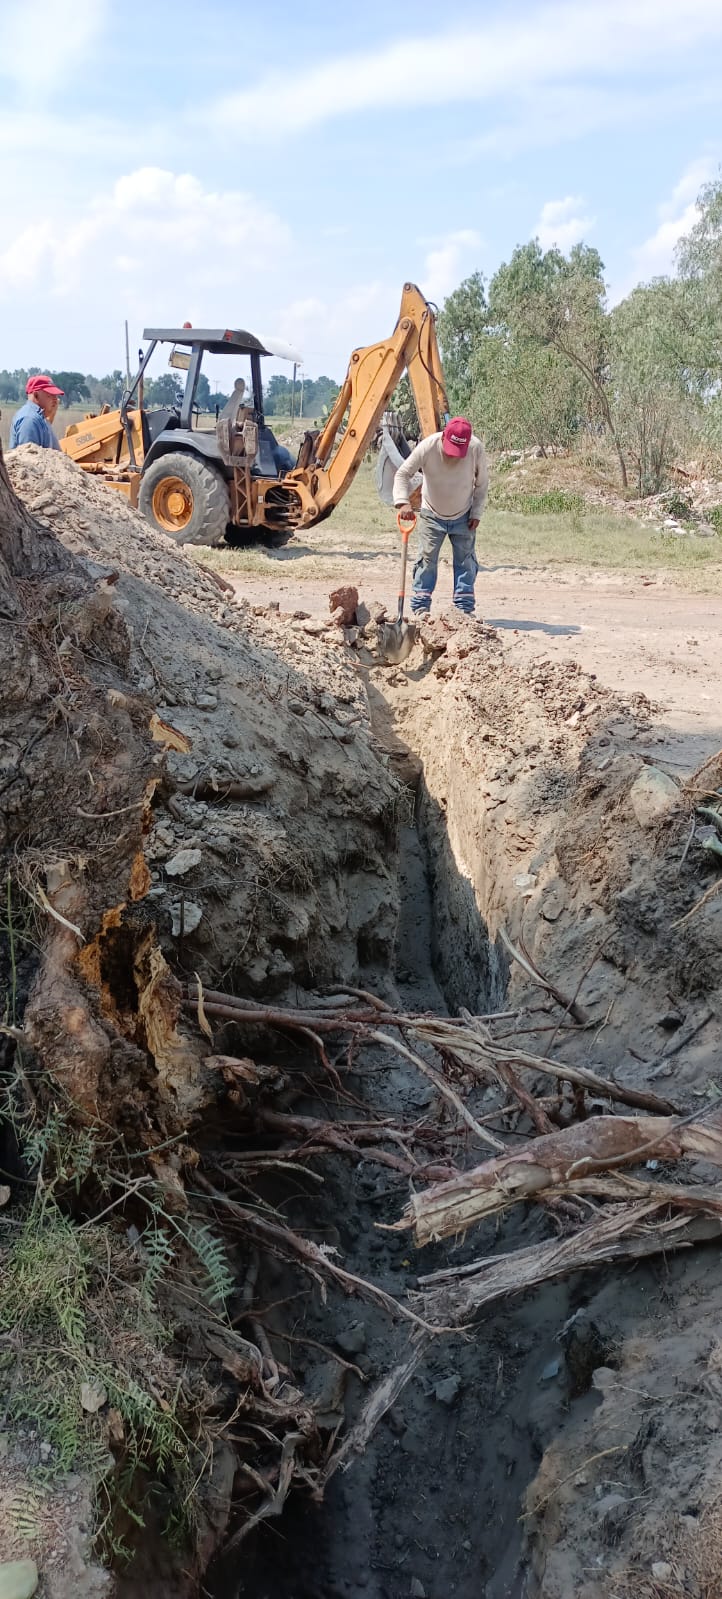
640	631
336	821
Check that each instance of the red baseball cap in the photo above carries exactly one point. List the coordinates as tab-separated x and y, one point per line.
456	437
42	381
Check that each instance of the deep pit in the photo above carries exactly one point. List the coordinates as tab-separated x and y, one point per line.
202	792
436	1502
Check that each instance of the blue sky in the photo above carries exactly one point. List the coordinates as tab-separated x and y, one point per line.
288	167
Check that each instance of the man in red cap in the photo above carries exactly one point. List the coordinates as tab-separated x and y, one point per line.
32	424
455	480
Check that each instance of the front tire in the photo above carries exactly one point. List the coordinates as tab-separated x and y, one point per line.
185	498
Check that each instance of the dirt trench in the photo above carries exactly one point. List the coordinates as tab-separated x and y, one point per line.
560	1445
576	1396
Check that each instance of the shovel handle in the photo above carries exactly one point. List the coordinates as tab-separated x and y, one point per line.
405	524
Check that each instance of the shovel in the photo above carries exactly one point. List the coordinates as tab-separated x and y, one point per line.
396	639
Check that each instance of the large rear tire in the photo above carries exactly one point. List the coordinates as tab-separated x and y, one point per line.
185	498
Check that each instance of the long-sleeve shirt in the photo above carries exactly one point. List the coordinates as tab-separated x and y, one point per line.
29	426
452	486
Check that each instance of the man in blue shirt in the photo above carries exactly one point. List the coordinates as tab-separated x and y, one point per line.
32	423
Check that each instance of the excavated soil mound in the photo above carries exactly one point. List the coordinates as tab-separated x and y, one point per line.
268	842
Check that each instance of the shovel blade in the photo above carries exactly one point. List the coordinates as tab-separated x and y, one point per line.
396	641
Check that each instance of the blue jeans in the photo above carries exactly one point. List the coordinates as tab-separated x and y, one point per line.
432	532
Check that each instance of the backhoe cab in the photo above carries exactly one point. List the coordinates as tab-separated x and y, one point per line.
202	485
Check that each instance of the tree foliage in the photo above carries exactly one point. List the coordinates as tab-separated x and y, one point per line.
650	397
319	395
461	325
166	390
559	302
522	393
74	386
537	357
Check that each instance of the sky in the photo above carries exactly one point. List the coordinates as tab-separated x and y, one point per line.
286	168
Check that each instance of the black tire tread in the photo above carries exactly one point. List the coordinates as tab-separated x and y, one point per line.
210	493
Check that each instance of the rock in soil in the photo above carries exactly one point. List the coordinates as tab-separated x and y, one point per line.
18	1579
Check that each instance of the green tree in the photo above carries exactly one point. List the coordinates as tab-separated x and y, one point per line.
10	386
461	326
204	399
404	404
74	386
653	406
523	393
277	395
699	259
558	302
107	390
166	391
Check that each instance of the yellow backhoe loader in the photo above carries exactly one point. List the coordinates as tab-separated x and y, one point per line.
203	484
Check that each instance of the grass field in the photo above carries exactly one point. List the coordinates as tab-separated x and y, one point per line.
592	539
581	538
74	413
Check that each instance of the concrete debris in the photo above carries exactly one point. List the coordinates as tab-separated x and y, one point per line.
185	918
343	605
184	862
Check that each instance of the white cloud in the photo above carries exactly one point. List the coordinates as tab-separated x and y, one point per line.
327	330
44	43
158	248
677	215
563	223
444	264
161	226
547	46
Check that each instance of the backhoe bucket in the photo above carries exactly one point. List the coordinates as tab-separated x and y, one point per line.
393	450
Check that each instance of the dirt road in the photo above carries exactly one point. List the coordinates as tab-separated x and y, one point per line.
635	632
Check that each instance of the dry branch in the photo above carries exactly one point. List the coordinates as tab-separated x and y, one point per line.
628	1232
379	1401
471	1048
312	1255
440	1085
523	959
558	1162
360	1140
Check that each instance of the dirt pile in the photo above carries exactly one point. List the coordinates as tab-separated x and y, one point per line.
269	832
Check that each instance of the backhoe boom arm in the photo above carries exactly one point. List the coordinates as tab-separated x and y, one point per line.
372	376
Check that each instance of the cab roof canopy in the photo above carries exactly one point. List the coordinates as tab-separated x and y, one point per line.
224	341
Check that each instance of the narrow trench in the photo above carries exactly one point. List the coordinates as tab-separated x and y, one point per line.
432	1507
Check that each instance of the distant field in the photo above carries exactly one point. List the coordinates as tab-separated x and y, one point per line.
592	539
74	413
281	424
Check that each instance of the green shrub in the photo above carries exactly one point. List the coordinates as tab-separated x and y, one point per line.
713	515
678	505
552	502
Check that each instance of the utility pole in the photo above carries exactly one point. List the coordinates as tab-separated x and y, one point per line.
300	410
127	356
293	393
